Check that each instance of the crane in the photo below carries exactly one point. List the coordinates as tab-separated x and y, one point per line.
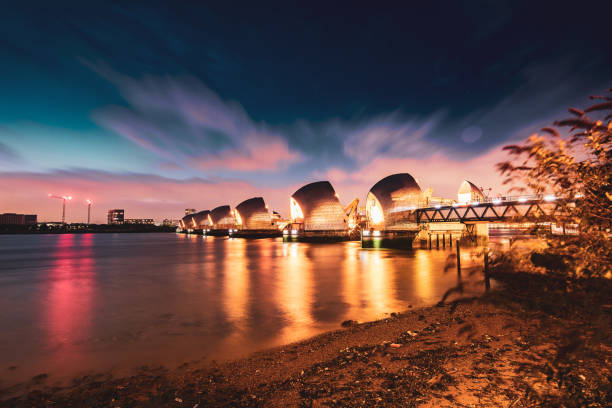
63	198
88	202
351	213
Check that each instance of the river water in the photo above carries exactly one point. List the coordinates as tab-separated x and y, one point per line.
75	304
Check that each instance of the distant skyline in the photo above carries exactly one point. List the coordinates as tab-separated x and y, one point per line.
157	107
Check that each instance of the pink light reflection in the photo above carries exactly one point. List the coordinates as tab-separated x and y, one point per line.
70	290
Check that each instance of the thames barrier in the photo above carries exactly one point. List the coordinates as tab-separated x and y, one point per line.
397	213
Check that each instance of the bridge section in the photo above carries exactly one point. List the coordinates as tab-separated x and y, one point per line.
496	210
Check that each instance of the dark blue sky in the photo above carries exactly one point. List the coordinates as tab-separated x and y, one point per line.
285	92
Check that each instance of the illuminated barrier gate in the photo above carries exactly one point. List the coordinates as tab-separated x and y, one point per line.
253	220
316	215
222	219
390	205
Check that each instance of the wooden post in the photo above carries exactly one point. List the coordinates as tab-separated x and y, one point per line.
450	241
458	259
486	269
429	235
443	240
437	241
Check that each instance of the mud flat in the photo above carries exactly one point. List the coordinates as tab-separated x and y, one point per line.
470	353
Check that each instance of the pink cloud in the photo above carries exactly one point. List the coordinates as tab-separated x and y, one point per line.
264	157
141	196
442	173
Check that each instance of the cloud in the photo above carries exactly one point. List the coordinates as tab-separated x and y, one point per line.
183	121
141	195
390	135
7	154
441	172
255	159
542	93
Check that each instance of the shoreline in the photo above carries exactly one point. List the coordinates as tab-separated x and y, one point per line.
469	352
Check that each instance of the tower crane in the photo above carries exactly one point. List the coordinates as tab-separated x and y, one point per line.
88	202
63	198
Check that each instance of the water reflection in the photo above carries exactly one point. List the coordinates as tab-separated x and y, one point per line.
236	283
422	275
70	283
376	275
95	302
294	292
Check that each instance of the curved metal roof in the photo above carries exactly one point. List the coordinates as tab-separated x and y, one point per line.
222	217
395	193
397	190
188	221
469	187
201	219
320	206
254	214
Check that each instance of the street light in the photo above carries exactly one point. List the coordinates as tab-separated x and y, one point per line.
63	198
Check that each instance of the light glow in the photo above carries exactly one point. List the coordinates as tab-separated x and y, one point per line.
522	199
550	198
296	210
238	218
464	198
375	211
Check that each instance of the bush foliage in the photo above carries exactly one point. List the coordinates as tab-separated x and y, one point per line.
572	160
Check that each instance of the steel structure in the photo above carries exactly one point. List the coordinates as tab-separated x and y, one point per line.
495	210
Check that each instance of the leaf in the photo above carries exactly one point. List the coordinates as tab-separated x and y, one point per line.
551	131
576	112
599	106
575	123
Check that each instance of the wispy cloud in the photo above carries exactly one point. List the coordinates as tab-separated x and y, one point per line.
181	120
8	155
390	135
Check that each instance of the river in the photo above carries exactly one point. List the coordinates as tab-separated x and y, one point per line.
75	304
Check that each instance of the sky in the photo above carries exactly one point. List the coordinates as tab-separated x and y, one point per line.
157	107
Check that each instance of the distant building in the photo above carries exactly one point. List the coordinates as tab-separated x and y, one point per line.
170	223
115	216
189	211
147	221
18	219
